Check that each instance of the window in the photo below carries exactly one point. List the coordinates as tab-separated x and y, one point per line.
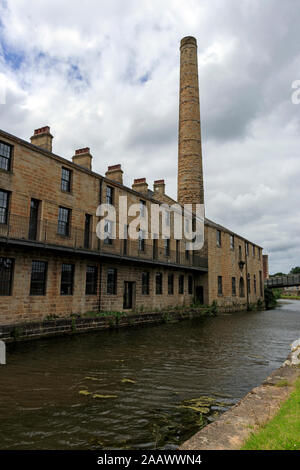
254	283
109	195
141	240
38	278
190	284
248	283
233	284
242	287
187	252
181	284
111	283
240	252
91	280
5	156
167	246
219	239
247	248
177	251
158	283
253	251
220	287
171	284
66	179
108	229
168	218
6	274
4	200
145	283
64	216
142	208
258	249
231	242
67	279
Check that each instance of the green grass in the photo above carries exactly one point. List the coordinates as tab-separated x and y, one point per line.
292	297
283	431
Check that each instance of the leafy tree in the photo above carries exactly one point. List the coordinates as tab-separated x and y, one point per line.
277	274
295	270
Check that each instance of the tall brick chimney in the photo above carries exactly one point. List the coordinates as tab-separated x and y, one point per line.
266	266
115	172
83	158
42	138
190	174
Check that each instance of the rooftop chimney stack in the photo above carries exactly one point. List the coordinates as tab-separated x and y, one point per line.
159	187
140	185
83	158
42	138
115	173
190	174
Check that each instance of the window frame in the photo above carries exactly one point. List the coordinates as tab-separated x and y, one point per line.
171	284
141	241
142	208
145	283
112	285
67	181
181	284
4	221
66	282
220	285
167	244
63	223
91	285
9	281
109	195
40	283
108	240
158	283
4	158
233	286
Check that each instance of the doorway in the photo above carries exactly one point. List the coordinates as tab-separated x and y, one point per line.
199	295
129	295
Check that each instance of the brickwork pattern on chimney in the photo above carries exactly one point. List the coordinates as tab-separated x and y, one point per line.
190	173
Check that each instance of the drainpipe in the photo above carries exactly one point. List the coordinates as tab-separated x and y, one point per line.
246	267
100	271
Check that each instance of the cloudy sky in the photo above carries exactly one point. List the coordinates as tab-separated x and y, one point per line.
105	74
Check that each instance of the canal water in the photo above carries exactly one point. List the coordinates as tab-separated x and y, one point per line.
132	388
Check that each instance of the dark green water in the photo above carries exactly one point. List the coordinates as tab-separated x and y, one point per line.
222	357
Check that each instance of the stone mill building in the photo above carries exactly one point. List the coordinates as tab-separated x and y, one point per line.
53	263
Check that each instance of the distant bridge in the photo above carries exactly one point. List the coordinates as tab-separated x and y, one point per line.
283	281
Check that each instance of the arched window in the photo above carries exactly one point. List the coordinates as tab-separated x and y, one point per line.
242	287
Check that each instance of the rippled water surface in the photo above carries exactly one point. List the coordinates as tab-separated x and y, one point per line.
222	358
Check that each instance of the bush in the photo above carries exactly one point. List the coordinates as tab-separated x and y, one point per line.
270	298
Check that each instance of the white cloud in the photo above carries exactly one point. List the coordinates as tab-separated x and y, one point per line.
106	75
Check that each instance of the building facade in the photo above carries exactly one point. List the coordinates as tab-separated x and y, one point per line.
52	263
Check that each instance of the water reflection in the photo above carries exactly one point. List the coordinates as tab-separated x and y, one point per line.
136	381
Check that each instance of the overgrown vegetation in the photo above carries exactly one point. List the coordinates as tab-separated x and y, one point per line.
271	296
291	297
283	431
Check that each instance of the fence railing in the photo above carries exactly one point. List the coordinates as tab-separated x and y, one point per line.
283	281
47	232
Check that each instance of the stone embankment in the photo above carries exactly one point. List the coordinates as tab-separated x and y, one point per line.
233	427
